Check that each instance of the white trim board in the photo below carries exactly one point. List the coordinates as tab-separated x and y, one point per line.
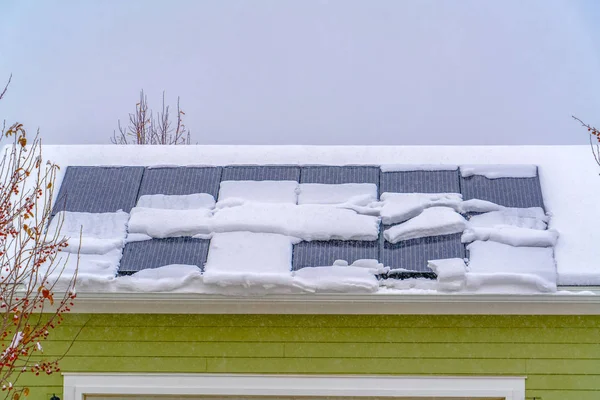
188	303
78	385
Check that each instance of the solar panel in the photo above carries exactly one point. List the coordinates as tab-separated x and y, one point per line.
181	180
420	182
261	173
339	175
508	192
99	189
160	252
413	254
323	253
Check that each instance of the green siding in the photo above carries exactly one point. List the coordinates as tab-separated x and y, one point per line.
560	355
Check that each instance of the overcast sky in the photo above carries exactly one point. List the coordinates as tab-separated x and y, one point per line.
307	72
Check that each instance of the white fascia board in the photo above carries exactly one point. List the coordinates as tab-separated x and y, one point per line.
77	386
185	303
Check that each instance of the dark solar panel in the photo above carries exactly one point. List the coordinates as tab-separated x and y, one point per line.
420	182
261	173
181	180
324	253
99	189
508	192
413	254
338	175
160	252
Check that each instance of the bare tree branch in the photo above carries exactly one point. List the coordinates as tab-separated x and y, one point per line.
594	138
145	127
6	87
31	265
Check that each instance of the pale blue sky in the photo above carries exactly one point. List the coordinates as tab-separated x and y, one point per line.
308	72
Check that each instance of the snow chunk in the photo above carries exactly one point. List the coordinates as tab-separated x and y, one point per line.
318	193
96	233
514	236
433	221
417	167
498	267
91	266
161	223
416	285
260	191
478	206
346	279
137	237
451	273
249	259
399	207
307	221
499	171
532	218
177	202
163	279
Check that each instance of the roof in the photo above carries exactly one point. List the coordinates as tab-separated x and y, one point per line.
540	231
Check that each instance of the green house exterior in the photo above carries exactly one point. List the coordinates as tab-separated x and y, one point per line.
558	354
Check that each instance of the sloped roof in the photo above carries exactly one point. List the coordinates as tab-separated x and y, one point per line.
553	186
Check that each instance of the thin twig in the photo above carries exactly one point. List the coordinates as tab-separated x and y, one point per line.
5	87
594	133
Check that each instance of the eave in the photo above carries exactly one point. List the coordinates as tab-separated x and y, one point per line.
390	304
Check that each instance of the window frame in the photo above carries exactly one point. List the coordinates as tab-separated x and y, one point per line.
79	385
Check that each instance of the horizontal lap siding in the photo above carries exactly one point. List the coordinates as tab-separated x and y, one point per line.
560	355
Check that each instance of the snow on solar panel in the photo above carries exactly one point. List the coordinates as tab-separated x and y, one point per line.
108	189
160	252
445	181
339	174
508	192
260	173
412	255
181	181
324	253
98	189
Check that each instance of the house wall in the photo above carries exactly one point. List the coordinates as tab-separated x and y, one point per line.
559	355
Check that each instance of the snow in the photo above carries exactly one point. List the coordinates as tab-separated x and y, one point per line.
96	233
177	202
491	171
514	236
90	266
307	221
249	259
579	277
260	191
478	206
346	279
434	221
162	279
451	273
318	193
498	267
568	176
399	207
163	223
532	218
417	167
99	238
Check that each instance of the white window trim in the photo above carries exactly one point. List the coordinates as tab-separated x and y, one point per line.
78	385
